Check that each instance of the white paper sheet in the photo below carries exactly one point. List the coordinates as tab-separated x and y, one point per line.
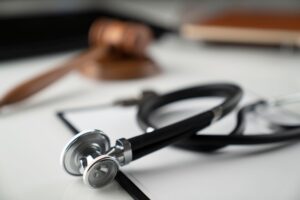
235	172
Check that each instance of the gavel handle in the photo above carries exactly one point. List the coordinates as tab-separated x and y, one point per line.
36	84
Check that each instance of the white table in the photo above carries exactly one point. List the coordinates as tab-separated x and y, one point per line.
32	137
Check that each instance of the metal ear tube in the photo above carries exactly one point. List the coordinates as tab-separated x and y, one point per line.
90	155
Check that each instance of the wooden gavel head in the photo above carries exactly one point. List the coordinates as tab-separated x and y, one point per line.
125	37
126	58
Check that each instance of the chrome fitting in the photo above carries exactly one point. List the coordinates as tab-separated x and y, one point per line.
217	112
121	151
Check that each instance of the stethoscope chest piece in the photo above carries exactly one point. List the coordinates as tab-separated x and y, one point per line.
90	155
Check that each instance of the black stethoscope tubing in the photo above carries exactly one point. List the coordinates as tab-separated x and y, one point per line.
147	143
184	133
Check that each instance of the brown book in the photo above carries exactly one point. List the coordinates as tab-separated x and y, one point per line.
248	27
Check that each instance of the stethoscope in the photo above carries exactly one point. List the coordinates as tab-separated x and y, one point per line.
89	153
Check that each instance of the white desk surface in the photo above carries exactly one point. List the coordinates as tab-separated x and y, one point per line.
32	137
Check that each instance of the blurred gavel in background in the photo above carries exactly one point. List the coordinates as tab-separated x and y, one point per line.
117	52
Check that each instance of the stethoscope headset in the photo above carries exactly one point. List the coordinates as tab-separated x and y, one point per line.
89	153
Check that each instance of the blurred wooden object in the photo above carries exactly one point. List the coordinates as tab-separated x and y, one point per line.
247	27
118	51
118	66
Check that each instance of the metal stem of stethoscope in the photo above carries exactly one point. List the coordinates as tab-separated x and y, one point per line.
284	100
90	155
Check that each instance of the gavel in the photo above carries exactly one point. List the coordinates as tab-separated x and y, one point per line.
117	52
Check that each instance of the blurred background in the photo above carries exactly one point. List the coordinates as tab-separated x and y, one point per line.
31	27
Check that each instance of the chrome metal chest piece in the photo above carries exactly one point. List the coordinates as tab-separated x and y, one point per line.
89	154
